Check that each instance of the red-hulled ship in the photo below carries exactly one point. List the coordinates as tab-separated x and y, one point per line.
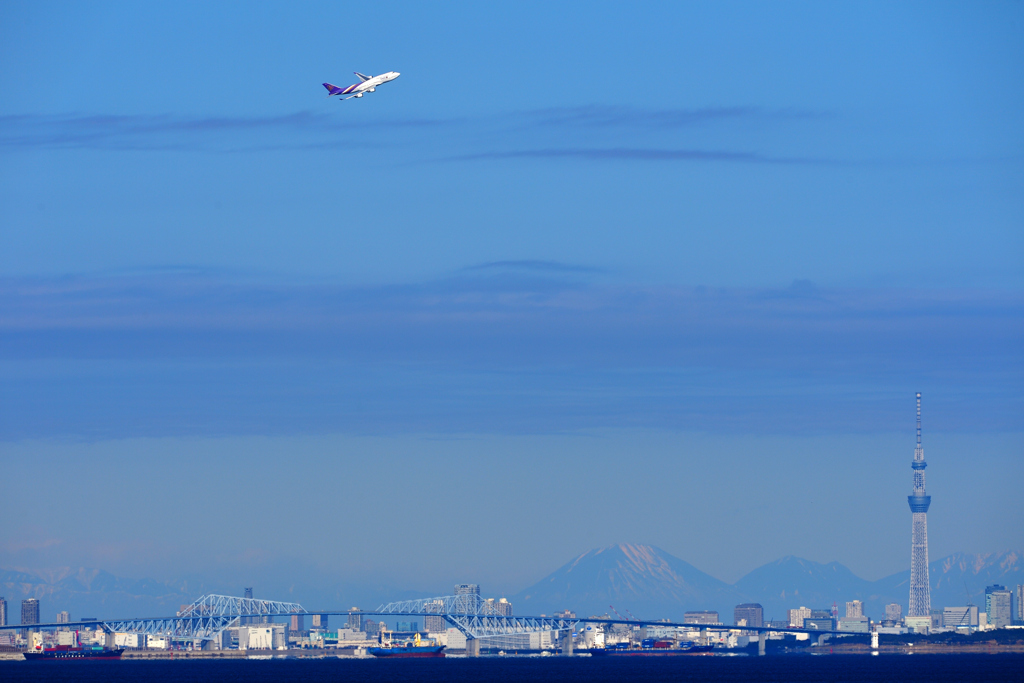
68	652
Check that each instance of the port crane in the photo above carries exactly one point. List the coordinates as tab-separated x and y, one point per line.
617	613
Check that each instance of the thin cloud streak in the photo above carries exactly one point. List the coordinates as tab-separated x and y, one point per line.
536	266
148	132
495	349
596	115
642	154
151	132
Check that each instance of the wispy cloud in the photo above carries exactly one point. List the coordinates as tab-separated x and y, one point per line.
640	154
180	352
534	266
211	133
602	115
341	129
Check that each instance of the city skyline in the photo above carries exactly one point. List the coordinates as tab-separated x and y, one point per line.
998	613
868	597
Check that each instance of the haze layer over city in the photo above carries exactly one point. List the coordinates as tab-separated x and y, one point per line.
586	276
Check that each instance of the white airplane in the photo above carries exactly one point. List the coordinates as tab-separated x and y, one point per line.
366	84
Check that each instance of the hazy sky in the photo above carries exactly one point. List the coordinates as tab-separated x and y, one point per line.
580	271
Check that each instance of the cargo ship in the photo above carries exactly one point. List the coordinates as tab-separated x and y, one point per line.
413	648
68	652
651	648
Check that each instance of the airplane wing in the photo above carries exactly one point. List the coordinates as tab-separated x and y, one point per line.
363	77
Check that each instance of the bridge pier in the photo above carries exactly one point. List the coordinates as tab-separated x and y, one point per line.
567	644
823	638
761	638
472	647
704	636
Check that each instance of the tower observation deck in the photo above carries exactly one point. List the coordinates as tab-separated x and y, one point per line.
920	590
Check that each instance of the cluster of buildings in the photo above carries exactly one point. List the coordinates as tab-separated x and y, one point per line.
1003	608
358	631
355	630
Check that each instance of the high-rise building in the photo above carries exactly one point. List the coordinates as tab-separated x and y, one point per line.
30	611
998	606
960	617
319	621
701	617
854	609
434	624
470	597
750	612
893	612
298	623
820	623
501	607
355	619
797	616
920	590
1018	618
245	621
3	611
63	617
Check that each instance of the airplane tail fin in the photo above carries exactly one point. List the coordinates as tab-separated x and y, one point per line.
332	89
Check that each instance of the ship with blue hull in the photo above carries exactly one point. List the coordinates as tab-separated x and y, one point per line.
65	653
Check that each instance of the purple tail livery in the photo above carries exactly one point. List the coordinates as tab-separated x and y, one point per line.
333	89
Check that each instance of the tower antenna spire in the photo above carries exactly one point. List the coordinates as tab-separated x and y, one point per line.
919	419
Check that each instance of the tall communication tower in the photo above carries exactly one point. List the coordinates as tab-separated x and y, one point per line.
920	591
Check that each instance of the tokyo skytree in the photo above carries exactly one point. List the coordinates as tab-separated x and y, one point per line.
920	591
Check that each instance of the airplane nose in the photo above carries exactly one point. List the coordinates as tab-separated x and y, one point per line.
397	74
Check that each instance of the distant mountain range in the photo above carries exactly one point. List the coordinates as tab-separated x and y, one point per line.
646	581
653	584
92	593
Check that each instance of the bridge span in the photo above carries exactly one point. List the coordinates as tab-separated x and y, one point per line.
206	618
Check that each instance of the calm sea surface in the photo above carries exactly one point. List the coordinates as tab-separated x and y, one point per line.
890	668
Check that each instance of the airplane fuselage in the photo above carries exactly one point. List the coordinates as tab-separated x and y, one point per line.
369	85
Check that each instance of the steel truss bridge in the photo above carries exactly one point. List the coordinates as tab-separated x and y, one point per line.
207	617
204	619
475	617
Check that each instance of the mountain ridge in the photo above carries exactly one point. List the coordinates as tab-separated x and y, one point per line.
643	579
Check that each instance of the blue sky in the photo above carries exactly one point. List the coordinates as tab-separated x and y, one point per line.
723	239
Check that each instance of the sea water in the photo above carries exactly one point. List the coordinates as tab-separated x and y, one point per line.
930	668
